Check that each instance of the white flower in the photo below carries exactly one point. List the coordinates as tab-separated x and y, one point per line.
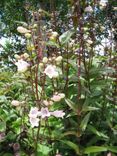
15	103
51	71
109	154
89	41
23	30
47	103
58	97
115	8
58	113
22	65
89	9
34	112
103	3
44	112
54	34
34	122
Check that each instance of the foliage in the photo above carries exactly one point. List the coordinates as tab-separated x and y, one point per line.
58	89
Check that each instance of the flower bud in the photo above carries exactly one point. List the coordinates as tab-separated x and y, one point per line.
62	95
89	9
28	35
54	34
26	55
30	47
22	30
52	38
89	41
17	56
58	59
15	103
35	26
45	60
41	66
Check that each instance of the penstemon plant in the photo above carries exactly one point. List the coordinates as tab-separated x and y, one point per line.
62	97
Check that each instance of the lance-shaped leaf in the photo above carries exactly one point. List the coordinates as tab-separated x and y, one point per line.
95	131
112	149
65	37
88	108
71	105
72	145
95	149
84	122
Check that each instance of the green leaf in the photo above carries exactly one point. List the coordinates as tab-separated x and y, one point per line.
70	133
44	149
112	149
73	146
95	131
84	122
95	149
52	43
71	105
88	108
2	126
7	154
65	37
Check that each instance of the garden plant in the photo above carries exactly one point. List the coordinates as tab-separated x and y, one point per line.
58	78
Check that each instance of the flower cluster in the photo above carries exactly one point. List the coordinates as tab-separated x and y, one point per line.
43	113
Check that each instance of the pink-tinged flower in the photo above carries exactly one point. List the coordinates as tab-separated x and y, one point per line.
34	122
2	136
51	71
34	112
89	9
22	65
47	103
58	97
58	113
58	155
23	30
16	146
109	154
15	103
45	112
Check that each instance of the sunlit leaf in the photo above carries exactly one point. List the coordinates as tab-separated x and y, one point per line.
95	149
84	122
65	37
